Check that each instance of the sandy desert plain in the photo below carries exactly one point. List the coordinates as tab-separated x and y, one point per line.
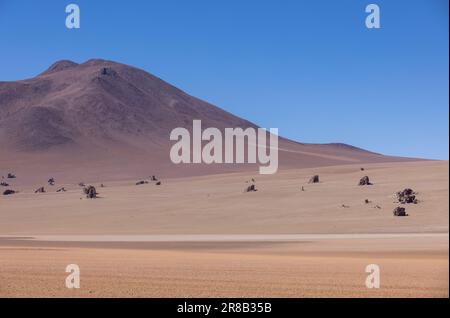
198	234
204	237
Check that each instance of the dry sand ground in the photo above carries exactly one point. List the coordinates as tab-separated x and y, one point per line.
411	265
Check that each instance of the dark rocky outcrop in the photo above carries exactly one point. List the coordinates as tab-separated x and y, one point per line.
407	196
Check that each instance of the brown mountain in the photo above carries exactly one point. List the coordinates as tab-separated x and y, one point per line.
102	119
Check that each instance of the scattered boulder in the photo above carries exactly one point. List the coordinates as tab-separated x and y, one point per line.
40	190
364	181
91	192
314	179
366	201
158	183
61	190
251	188
11	176
4	184
141	182
362	169
51	181
9	192
407	196
399	211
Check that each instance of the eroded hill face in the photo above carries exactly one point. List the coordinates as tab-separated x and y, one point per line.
71	103
102	118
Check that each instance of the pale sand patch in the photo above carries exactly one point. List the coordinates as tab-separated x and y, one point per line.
410	267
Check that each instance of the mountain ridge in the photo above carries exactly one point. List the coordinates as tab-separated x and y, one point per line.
101	106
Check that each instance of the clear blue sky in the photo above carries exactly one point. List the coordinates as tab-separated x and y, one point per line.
309	68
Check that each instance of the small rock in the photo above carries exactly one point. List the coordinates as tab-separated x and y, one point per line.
364	181
314	179
40	190
91	192
399	211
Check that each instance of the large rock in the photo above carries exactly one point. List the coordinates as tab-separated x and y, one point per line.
407	196
9	192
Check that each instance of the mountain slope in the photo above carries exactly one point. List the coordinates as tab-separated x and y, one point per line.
109	119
